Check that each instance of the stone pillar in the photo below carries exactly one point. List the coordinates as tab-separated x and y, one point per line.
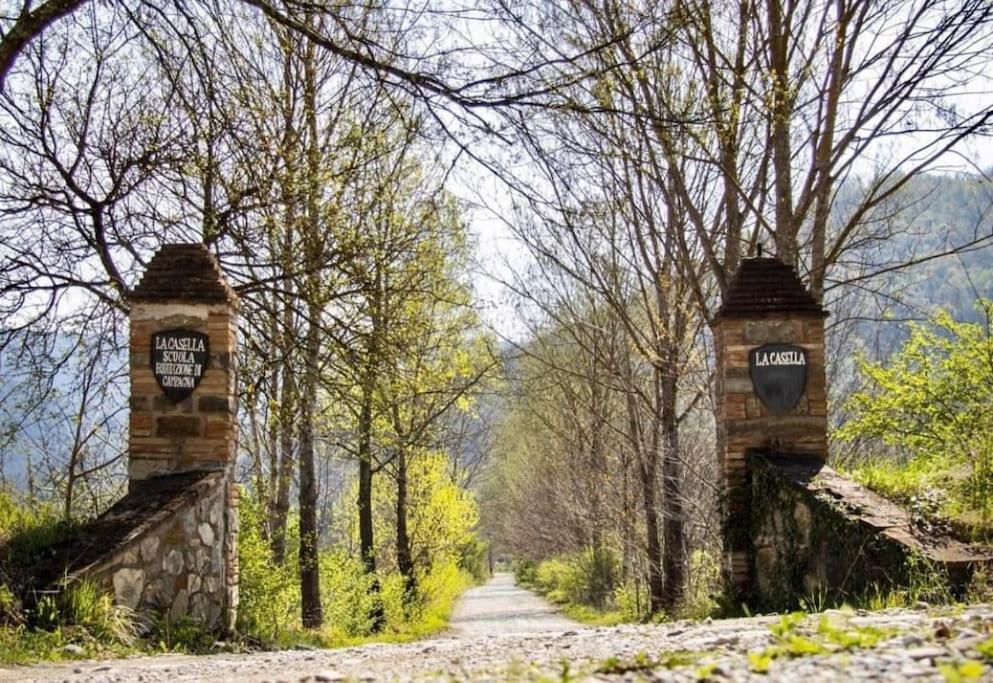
183	290
766	304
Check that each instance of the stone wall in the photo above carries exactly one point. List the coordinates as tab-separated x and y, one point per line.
178	566
793	526
821	537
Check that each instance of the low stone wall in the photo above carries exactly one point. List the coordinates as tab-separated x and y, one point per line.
819	535
169	546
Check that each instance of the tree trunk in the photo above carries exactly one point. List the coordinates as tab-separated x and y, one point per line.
656	580
673	563
405	561
310	587
281	504
779	127
367	547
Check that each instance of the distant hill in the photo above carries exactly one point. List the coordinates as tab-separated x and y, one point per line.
931	215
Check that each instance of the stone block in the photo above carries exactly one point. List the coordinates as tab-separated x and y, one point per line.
129	556
771	331
738	385
173	562
140	423
180	606
206	533
200	609
802	519
753	407
129	584
163	403
177	426
219	428
154	594
215	404
766	569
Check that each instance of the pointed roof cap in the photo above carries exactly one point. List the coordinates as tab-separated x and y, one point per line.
184	272
767	285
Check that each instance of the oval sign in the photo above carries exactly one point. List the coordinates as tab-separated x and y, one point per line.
179	358
779	375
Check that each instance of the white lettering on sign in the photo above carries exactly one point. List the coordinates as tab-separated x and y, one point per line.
191	369
179	344
175	382
178	360
766	358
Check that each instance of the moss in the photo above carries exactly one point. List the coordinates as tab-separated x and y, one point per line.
840	559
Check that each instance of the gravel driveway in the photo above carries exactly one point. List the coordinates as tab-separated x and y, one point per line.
500	633
503	607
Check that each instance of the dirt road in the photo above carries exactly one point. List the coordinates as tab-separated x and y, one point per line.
503	607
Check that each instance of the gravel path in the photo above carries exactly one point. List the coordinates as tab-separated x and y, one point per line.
892	645
503	607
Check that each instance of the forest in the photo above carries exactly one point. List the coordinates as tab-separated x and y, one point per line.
397	435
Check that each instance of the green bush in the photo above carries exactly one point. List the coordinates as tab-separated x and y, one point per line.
704	583
269	607
346	593
526	572
85	603
589	577
268	593
930	403
474	558
26	529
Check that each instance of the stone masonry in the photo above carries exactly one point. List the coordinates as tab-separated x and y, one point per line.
766	303
794	527
170	545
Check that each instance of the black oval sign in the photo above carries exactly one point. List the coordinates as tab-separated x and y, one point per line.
179	358
779	375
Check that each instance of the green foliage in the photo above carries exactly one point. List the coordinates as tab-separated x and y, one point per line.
474	558
82	617
182	635
932	402
441	514
793	638
269	607
526	572
84	603
985	648
587	583
268	593
703	586
80	621
967	670
25	530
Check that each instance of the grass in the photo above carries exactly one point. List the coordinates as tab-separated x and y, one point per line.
936	493
108	633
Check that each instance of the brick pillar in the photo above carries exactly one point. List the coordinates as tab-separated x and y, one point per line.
184	295
766	304
183	289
